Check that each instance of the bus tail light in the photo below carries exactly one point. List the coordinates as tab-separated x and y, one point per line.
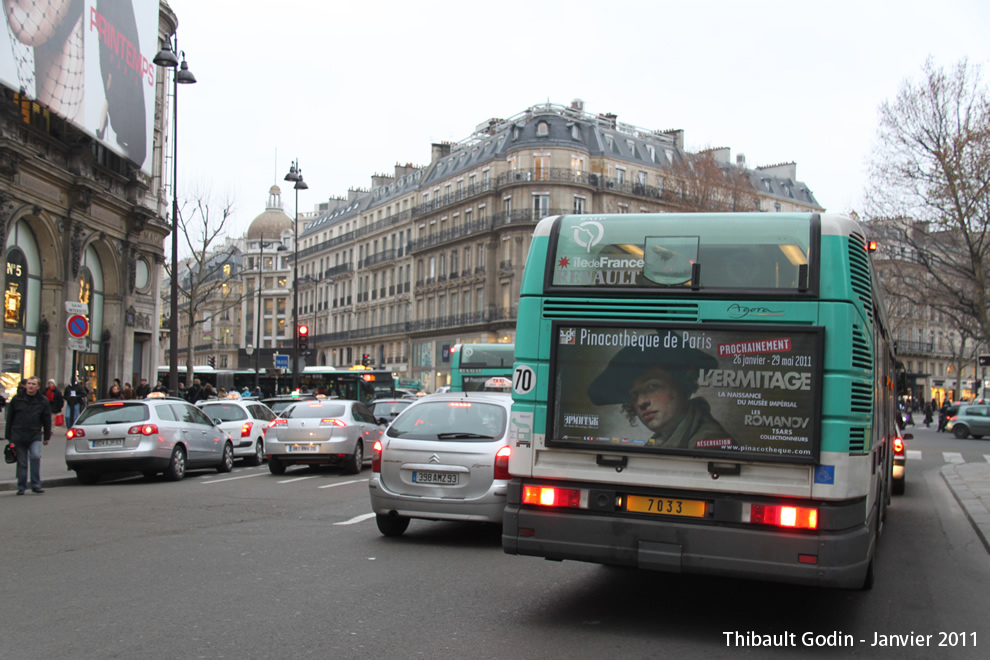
502	463
794	517
551	496
898	447
376	456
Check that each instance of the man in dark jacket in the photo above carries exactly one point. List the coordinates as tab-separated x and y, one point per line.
195	393
29	419
143	390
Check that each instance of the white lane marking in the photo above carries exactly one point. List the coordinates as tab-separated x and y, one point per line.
289	481
344	483
914	454
246	476
952	457
353	521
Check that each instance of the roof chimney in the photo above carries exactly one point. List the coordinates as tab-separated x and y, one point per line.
440	150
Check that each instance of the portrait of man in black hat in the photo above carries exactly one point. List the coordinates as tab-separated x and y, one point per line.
656	388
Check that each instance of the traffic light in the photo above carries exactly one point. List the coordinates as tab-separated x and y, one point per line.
212	361
303	338
365	360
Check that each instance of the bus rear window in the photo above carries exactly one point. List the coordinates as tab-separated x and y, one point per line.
671	251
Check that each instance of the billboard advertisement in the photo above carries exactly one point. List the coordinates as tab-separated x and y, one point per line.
90	62
722	391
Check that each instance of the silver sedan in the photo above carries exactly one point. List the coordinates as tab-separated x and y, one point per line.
322	432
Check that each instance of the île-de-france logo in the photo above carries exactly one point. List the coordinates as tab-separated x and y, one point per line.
588	234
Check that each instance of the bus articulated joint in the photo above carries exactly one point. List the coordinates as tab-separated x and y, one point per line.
718	469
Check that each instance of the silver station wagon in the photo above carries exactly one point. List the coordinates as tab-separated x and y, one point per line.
146	435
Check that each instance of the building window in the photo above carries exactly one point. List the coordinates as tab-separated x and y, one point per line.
577	167
620	175
542	129
541	167
578	204
541	205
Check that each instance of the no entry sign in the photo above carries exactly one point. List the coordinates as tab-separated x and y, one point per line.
78	326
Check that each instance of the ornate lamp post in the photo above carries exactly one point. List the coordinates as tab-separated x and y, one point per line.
295	175
166	58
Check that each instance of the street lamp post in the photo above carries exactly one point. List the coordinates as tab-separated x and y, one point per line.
295	175
166	58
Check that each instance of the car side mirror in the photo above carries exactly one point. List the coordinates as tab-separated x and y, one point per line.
382	420
217	421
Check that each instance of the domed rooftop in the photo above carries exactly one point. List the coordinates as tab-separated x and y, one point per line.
273	221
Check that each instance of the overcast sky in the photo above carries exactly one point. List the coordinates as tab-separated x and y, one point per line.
353	88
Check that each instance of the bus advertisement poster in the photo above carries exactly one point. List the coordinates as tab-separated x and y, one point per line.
743	391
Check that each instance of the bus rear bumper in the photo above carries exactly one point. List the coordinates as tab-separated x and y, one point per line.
842	558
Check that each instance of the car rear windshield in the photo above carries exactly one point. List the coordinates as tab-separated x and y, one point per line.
307	410
390	407
224	412
456	421
113	413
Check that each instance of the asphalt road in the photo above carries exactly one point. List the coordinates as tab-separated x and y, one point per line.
248	565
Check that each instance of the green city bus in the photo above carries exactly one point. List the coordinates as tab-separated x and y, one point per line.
703	393
481	367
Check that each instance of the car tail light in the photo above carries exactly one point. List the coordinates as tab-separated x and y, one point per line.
953	418
143	429
502	463
113	404
75	433
550	496
277	422
795	517
332	422
246	429
898	447
376	456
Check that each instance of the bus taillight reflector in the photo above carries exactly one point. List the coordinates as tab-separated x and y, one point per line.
784	516
549	496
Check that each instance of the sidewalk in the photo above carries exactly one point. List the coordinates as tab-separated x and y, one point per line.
970	484
53	470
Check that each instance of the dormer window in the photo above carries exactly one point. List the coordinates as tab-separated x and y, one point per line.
542	129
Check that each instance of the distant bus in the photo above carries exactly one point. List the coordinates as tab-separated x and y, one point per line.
480	367
703	393
356	383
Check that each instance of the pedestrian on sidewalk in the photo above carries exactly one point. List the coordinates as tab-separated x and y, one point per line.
143	389
54	396
75	401
29	424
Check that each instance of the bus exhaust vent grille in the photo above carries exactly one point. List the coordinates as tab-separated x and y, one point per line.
859	272
857	441
650	310
861	398
862	357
